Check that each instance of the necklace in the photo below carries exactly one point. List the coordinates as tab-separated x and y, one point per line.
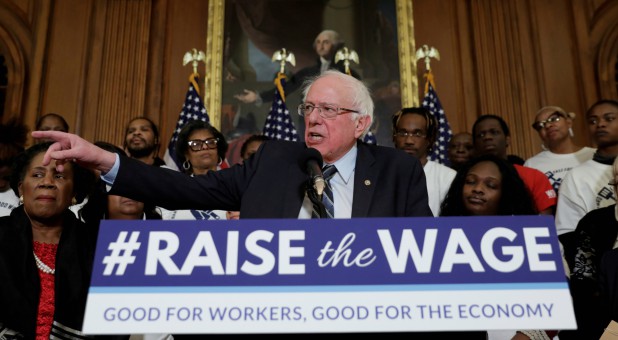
42	266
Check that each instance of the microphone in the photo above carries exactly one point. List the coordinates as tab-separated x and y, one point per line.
312	161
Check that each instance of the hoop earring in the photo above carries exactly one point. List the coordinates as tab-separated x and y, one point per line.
186	165
220	161
21	199
571	132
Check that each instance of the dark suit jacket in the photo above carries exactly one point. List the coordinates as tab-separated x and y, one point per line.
609	286
593	238
21	285
271	184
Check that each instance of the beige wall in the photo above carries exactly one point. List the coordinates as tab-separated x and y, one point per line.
101	62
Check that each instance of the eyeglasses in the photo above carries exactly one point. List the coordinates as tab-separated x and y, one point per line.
414	133
326	111
198	144
553	119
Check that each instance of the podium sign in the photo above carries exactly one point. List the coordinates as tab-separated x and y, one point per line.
341	275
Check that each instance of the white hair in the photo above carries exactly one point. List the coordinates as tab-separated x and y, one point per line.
361	99
334	36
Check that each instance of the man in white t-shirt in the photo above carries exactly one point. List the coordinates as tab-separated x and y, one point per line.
586	187
414	131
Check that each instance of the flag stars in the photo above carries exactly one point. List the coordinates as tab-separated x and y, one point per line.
279	125
192	109
431	102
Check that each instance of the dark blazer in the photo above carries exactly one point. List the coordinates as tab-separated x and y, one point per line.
594	237
21	286
609	286
271	184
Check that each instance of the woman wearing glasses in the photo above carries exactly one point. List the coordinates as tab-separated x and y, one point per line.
200	148
560	153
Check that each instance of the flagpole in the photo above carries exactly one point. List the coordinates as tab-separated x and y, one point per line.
192	109
279	125
431	101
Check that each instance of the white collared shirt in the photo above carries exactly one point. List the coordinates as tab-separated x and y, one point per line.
324	64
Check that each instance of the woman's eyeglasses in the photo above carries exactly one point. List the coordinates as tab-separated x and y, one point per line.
553	119
198	144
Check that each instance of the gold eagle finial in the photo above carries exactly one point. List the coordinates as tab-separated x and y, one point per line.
426	52
346	55
194	56
283	56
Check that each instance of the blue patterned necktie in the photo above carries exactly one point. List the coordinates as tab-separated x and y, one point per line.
327	196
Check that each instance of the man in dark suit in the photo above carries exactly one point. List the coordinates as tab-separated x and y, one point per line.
371	181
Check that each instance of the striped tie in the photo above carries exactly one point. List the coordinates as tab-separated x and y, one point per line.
327	196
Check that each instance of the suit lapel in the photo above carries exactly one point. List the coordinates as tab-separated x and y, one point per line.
365	180
294	191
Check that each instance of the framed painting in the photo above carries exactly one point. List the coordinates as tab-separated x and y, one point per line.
244	34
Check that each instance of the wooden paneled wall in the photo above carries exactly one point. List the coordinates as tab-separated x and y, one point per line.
511	58
116	78
102	62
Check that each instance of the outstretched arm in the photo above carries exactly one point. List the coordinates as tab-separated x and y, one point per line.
69	147
247	97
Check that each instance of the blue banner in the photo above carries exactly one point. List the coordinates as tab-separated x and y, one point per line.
285	261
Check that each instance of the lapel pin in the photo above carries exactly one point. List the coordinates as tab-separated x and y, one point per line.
367	182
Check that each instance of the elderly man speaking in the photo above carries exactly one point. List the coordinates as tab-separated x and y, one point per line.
368	181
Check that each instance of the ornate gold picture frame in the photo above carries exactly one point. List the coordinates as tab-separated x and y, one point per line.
215	79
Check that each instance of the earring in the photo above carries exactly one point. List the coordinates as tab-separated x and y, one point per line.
21	199
73	201
220	161
186	165
571	133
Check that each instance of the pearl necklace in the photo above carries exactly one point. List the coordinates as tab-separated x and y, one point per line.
42	266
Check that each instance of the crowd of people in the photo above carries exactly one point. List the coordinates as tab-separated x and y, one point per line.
54	193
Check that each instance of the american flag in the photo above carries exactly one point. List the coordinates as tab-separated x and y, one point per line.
432	102
279	124
370	138
192	109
